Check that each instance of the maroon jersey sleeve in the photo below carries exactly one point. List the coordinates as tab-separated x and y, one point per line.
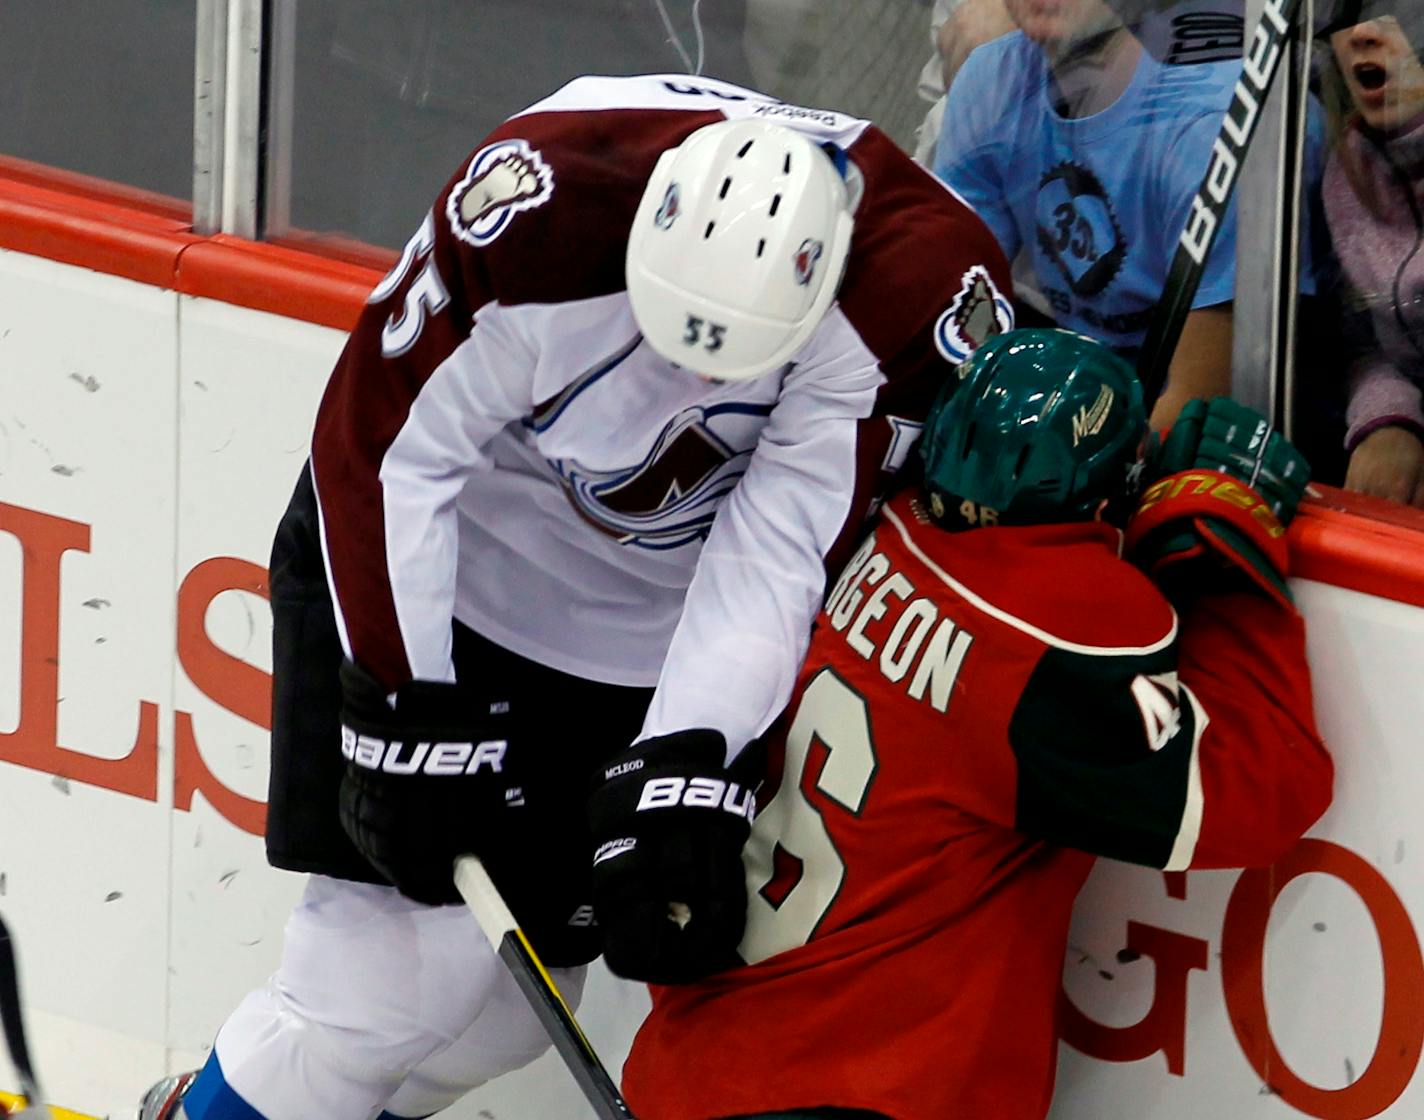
926	283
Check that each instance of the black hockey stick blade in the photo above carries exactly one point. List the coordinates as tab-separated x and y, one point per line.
14	1025
573	1046
1265	49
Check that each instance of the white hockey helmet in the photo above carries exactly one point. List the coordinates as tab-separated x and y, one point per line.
738	248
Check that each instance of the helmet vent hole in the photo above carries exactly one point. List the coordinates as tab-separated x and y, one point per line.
969	439
726	184
745	148
708	231
1021	462
761	246
775	205
786	165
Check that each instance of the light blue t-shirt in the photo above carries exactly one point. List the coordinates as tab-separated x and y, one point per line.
1099	200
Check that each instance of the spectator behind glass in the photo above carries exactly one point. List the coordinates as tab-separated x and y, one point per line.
957	27
1374	196
1076	144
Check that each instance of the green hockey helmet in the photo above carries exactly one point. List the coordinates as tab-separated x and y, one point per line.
1041	426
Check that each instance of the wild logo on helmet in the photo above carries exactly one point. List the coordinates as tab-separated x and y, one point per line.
1089	420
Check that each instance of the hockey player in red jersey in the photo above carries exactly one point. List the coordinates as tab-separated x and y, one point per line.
576	483
992	698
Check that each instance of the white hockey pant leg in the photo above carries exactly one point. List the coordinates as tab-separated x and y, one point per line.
506	1036
370	986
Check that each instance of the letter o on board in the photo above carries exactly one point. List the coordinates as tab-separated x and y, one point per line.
1401	1037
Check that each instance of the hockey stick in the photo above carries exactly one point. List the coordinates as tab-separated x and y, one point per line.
1258	74
14	1025
484	901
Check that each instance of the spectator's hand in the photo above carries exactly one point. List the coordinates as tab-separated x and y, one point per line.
972	24
669	820
1388	463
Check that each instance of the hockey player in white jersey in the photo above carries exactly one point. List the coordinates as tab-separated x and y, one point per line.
575	485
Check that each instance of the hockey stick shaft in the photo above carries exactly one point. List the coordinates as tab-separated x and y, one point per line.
1268	46
508	940
14	1025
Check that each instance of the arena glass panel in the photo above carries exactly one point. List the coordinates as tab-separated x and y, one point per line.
101	89
372	106
1081	131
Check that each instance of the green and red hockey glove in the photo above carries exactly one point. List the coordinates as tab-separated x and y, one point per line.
1226	486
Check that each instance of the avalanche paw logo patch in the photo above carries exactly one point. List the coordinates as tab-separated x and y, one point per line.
978	313
503	179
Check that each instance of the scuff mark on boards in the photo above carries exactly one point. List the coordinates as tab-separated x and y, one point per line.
97	604
61	783
87	382
113	896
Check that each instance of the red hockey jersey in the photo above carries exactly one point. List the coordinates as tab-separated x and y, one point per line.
498	444
979	712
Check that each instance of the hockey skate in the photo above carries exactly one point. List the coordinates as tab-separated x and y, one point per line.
164	1101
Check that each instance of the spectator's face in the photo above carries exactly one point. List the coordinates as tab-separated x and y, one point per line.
1060	22
1382	72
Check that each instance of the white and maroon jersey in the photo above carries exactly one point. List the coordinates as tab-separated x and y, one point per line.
979	714
499	445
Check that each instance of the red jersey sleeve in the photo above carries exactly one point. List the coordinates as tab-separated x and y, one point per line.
1202	754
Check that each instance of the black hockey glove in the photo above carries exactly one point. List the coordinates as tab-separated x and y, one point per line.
1226	485
669	821
426	780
